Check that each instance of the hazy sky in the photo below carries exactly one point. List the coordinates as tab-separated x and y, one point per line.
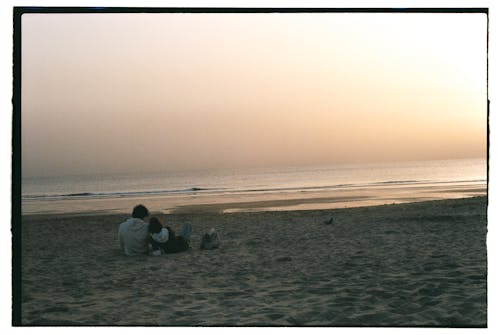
108	93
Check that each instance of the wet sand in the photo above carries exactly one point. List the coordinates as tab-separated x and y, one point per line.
416	264
258	201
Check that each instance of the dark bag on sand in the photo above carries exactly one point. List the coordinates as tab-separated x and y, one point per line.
175	243
210	240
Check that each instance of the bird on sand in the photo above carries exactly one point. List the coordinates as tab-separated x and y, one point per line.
328	221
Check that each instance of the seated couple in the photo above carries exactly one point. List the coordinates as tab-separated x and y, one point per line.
136	236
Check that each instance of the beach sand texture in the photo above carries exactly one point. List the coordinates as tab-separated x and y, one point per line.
420	264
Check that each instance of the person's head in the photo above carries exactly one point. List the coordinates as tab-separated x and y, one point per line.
155	225
140	212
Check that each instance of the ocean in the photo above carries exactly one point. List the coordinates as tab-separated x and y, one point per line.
292	188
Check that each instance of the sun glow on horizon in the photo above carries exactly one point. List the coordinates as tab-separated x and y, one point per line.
192	91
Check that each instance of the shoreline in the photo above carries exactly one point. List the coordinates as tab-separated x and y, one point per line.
281	201
218	209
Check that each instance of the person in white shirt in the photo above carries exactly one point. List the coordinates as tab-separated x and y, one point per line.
134	234
163	239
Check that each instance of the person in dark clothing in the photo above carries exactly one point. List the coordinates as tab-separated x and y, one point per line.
164	240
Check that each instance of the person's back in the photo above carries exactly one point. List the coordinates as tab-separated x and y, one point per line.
134	233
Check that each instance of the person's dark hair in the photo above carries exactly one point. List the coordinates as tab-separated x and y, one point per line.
155	225
140	212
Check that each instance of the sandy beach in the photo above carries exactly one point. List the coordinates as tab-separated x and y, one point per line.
416	264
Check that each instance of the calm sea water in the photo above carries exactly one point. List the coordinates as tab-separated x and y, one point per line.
37	192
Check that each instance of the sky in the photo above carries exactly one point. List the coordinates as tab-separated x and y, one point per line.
108	93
